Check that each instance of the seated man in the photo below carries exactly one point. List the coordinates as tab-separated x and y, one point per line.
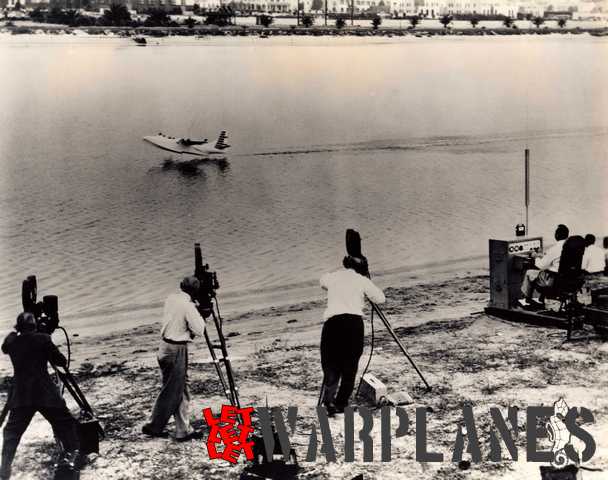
547	265
594	259
605	245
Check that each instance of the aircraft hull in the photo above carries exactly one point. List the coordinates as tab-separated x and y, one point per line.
173	145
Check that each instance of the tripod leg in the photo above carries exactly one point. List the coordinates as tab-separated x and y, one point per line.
77	398
216	364
394	335
321	392
359	387
234	396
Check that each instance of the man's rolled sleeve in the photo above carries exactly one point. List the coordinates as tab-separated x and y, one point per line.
552	254
196	324
374	293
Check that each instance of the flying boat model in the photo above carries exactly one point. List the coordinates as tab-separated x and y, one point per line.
198	148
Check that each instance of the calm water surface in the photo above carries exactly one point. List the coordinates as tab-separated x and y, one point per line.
418	143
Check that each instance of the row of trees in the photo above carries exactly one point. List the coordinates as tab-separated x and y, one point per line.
507	22
446	20
118	15
308	21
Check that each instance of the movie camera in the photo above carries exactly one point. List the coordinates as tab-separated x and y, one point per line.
208	283
208	306
46	313
358	262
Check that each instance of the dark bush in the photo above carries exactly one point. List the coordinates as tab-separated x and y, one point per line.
446	20
266	20
308	21
116	16
37	15
218	18
157	17
190	22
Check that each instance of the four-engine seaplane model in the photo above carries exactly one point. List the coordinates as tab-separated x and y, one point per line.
198	148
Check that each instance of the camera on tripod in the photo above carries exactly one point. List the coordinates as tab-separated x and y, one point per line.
46	312
355	259
208	283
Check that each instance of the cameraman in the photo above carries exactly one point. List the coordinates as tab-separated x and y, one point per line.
342	335
181	323
34	391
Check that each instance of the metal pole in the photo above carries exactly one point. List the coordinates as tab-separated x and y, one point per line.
394	335
527	186
326	13
234	391
218	369
321	392
352	12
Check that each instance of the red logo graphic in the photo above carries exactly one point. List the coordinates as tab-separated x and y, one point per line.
231	429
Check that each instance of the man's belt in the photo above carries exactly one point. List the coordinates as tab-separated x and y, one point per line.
174	342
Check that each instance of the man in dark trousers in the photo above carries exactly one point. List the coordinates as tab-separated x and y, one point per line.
342	336
34	391
181	324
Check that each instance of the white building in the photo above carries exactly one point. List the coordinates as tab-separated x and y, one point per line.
436	8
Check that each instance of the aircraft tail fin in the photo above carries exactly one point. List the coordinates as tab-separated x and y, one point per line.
221	141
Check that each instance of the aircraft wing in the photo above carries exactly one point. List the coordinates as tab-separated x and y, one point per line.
172	145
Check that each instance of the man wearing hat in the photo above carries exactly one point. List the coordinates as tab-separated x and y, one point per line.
181	324
33	391
342	335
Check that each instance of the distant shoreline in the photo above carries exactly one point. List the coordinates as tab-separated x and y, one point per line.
286	30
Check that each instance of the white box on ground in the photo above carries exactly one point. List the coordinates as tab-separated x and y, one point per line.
372	388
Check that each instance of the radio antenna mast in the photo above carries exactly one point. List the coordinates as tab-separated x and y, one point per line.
527	186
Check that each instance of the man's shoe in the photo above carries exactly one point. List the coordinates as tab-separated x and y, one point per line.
194	435
331	409
524	303
537	304
147	430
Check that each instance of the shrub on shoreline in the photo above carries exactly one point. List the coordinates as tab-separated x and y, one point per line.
117	15
266	20
376	22
308	21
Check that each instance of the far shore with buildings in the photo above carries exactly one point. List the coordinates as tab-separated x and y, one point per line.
424	9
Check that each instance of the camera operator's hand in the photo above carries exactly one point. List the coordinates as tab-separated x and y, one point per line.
56	357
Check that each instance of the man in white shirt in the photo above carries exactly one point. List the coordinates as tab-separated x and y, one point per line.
594	259
181	324
547	265
342	336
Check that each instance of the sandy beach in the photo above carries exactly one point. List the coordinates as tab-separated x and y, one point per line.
467	356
